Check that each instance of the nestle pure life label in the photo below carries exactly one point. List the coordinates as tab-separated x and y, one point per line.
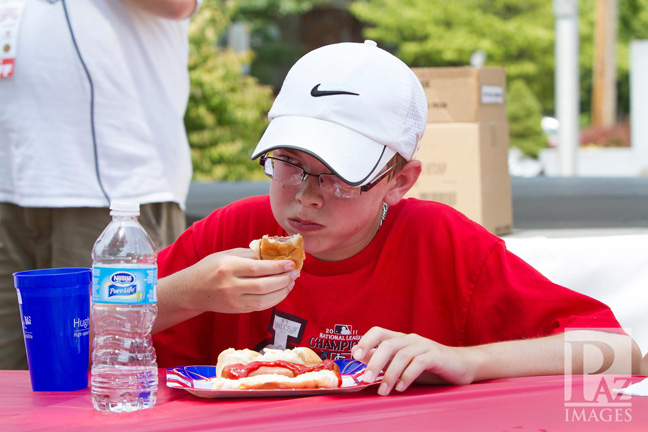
124	285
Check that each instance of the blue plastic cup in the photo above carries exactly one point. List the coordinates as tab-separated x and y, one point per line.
55	314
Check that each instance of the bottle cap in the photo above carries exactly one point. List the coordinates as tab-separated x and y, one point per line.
124	208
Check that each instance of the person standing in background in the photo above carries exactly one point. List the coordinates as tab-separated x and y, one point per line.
91	112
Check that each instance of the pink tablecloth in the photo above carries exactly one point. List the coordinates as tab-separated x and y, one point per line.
521	404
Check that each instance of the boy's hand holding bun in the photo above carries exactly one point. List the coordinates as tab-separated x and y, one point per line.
231	281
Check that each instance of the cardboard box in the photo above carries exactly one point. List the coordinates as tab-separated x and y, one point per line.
465	165
464	94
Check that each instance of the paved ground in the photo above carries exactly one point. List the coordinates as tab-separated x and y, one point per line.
550	206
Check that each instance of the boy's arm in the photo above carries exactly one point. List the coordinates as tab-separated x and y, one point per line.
231	281
409	358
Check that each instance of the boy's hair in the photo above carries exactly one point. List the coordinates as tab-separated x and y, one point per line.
398	162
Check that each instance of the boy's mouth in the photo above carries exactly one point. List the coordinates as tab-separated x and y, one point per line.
303	225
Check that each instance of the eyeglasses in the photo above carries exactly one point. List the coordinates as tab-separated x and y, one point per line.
290	174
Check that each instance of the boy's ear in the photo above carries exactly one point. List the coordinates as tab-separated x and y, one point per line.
403	182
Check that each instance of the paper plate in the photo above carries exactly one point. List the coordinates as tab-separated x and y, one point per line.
197	380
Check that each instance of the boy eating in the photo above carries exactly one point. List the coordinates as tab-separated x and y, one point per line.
410	287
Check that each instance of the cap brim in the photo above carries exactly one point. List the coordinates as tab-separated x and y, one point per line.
351	156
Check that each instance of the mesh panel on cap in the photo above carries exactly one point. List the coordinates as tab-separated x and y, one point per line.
416	118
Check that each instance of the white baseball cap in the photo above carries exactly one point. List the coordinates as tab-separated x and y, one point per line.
353	106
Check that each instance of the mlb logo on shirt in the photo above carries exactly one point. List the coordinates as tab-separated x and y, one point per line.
342	329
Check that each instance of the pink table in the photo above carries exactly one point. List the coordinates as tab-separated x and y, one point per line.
521	404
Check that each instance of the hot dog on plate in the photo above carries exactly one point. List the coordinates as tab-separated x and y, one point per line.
299	368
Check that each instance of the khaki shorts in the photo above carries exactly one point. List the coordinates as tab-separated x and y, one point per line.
34	238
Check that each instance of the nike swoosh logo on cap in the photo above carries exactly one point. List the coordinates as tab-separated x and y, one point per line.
316	92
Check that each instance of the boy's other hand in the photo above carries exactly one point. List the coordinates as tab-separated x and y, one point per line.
406	358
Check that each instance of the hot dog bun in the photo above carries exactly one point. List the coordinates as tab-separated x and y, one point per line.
272	375
278	248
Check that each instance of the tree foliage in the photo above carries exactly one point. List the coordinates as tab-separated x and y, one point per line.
524	112
514	34
274	35
227	110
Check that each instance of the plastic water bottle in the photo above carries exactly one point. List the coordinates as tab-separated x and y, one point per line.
124	307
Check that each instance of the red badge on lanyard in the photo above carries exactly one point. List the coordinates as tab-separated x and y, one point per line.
10	14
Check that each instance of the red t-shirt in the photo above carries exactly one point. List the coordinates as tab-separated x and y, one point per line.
429	270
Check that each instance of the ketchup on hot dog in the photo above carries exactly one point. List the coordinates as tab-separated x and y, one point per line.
237	371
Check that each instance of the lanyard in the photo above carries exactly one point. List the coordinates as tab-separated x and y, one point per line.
10	15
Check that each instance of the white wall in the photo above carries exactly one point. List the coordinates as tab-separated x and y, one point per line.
599	162
611	269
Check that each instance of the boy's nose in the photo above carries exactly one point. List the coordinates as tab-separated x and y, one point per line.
310	193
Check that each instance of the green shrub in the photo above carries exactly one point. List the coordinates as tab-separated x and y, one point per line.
227	110
525	116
